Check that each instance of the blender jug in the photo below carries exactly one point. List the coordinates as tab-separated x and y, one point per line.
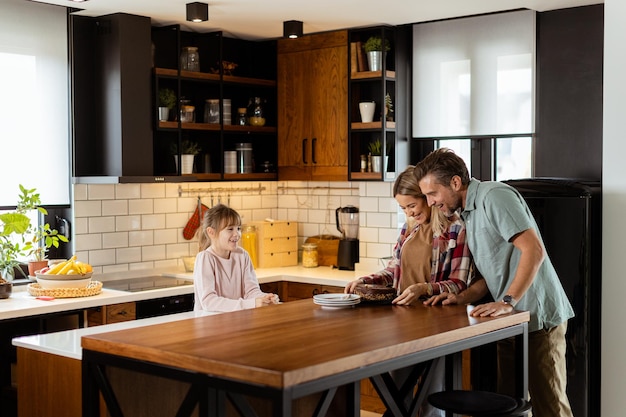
347	219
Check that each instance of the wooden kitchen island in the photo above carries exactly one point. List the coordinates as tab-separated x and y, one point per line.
287	352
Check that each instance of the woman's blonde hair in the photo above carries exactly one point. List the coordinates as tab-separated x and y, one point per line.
406	184
218	218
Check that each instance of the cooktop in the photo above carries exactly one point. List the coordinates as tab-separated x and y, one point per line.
145	283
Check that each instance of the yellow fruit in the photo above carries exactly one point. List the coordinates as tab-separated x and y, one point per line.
72	272
54	269
68	265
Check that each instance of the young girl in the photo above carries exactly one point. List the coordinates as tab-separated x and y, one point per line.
224	278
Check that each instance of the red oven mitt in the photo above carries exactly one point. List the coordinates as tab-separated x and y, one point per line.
194	222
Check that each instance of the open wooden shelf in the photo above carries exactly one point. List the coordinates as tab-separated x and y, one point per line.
366	75
372	125
193	75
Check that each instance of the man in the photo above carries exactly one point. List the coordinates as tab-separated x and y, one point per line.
508	251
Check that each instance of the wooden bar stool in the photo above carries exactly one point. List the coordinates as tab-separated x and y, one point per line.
479	403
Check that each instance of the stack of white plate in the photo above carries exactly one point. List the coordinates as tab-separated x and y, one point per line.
336	300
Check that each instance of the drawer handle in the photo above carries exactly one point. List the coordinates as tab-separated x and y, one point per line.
315	291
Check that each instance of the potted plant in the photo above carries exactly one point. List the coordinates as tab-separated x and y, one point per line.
189	150
374	48
167	101
388	108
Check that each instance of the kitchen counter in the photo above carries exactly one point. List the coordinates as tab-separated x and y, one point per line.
21	304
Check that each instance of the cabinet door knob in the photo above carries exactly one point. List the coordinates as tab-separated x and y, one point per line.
304	141
315	291
313	143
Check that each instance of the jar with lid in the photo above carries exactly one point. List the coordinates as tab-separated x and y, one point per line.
241	116
187	111
190	59
212	111
256	116
248	242
309	255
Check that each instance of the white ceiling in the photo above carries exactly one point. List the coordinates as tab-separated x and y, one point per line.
262	19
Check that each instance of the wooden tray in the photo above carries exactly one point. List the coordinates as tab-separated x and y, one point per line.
94	288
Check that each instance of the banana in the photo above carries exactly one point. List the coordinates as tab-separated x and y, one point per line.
56	268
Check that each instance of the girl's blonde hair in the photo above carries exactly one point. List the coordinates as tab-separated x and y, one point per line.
218	218
406	184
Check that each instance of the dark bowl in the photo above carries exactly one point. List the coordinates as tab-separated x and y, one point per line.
6	288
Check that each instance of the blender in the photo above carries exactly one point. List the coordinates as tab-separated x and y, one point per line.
347	219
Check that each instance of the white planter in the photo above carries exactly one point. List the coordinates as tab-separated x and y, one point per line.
164	114
187	163
367	109
377	163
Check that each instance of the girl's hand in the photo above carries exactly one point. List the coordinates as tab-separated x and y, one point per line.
266	300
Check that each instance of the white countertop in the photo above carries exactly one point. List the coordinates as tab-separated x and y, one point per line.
21	304
67	343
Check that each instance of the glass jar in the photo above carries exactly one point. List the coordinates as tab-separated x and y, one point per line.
190	59
212	111
241	116
248	242
187	111
256	116
309	255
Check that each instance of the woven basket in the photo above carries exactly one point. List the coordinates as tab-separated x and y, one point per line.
94	288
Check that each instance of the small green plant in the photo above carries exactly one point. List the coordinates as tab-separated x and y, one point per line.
188	147
167	98
375	147
375	43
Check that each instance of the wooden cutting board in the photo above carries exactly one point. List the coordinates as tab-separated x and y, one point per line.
327	246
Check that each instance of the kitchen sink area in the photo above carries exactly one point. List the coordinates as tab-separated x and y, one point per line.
147	283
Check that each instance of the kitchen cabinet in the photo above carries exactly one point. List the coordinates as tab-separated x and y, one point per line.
233	72
373	84
114	313
312	78
299	291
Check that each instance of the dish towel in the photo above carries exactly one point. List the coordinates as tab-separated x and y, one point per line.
194	222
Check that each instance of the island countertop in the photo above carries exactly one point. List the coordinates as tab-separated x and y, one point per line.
22	304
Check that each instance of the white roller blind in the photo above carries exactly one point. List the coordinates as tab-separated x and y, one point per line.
34	111
474	76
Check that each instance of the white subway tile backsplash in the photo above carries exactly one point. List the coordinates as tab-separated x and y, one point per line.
121	227
101	192
128	255
115	207
101	224
152	190
127	191
141	206
141	238
165	205
152	253
152	221
115	240
87	208
127	223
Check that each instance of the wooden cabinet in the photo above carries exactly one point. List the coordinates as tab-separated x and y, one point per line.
299	291
313	107
113	313
253	75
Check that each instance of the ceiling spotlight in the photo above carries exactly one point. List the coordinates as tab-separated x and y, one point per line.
197	12
292	29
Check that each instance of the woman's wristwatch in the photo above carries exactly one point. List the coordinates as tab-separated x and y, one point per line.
508	299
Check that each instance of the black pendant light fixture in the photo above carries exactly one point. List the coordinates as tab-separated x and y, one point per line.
292	29
197	12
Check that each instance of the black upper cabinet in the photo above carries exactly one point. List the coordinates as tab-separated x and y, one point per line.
111	95
231	73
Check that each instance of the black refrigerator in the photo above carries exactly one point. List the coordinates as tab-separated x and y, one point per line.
569	215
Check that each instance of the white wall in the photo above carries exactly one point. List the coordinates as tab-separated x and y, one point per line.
614	201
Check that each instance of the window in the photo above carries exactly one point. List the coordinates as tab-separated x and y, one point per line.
34	112
473	90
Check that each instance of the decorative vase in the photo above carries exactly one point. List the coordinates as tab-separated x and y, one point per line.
367	109
6	288
377	161
164	114
374	60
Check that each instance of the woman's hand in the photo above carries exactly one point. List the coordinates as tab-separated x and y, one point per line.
445	298
409	295
350	286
